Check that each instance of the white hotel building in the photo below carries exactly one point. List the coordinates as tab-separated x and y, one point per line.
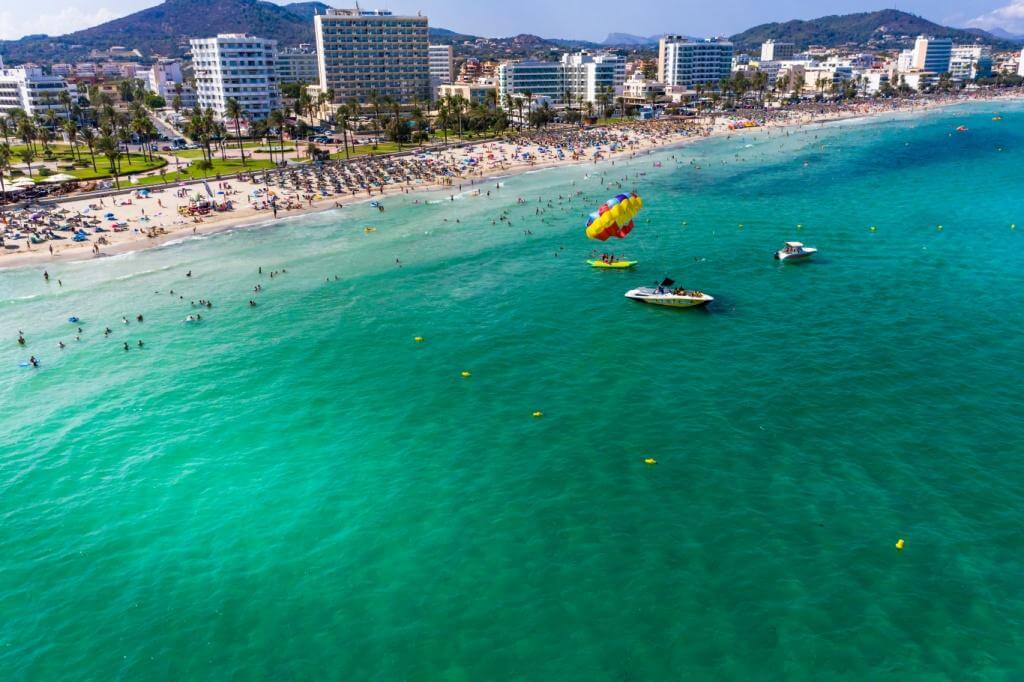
582	75
442	65
239	66
30	90
689	63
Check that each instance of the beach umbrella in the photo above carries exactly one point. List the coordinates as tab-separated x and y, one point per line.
60	177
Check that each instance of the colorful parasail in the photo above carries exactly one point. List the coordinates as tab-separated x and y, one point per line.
614	218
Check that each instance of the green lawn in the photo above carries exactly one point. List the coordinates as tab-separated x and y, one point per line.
252	149
137	165
193	172
260	145
364	149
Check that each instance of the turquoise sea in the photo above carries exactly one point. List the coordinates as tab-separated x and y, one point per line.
301	491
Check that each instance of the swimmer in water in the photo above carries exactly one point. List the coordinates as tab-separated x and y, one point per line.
126	345
140	343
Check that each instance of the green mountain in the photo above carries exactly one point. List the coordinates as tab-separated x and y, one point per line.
882	28
166	28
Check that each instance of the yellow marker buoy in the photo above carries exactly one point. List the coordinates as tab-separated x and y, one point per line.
873	228
940	228
1013	226
650	460
418	339
466	375
899	544
538	413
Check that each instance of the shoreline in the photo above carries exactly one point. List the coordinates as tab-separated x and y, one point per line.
249	216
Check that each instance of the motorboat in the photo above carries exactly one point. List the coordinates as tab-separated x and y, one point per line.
667	294
962	129
795	251
612	265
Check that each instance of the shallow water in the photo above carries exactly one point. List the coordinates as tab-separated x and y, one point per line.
300	490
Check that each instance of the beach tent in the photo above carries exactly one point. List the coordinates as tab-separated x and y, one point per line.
60	177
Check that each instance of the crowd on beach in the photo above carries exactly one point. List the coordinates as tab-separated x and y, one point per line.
94	226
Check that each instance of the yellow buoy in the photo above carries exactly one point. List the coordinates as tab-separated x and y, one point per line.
899	544
538	413
418	339
650	460
1013	226
466	375
940	228
873	228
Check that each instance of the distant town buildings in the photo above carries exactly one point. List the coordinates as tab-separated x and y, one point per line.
442	65
161	78
773	51
29	89
239	66
689	63
298	65
361	53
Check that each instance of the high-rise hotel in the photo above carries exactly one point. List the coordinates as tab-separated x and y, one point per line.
362	52
236	66
689	63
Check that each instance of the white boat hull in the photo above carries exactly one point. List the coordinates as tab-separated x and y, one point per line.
654	297
796	256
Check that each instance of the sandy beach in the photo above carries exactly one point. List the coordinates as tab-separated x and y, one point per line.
147	217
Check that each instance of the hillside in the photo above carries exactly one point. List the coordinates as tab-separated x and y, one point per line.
862	29
630	40
166	28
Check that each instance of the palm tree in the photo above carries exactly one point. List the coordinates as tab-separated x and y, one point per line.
65	99
398	123
140	127
71	130
108	146
276	120
341	120
27	132
88	136
27	156
528	95
443	117
5	129
5	166
235	112
375	101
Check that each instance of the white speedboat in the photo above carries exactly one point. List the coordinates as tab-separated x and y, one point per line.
795	251
669	295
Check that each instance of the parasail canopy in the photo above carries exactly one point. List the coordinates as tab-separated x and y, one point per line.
614	218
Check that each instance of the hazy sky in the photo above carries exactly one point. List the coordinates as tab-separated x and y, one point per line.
586	19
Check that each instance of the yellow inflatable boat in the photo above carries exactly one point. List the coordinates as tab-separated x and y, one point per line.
615	265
